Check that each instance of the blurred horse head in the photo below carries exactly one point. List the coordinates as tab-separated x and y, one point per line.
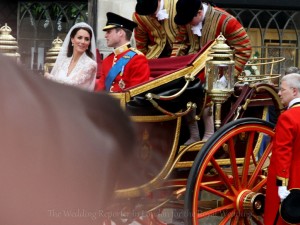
61	149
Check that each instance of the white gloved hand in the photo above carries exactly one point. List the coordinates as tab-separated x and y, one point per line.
283	192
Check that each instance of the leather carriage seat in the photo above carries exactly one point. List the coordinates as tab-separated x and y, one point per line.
167	67
164	66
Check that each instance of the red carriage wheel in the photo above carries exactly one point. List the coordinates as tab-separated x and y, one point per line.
227	181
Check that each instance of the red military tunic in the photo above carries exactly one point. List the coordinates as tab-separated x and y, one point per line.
219	21
152	35
135	71
285	161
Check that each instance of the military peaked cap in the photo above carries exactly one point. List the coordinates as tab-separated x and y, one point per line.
116	21
290	207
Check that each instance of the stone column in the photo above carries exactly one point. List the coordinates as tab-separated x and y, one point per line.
124	8
92	18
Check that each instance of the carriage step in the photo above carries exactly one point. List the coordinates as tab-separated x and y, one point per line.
193	147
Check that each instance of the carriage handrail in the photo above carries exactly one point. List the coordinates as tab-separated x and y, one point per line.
274	60
252	78
190	106
188	78
252	90
273	93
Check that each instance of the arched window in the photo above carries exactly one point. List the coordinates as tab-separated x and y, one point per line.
39	23
273	33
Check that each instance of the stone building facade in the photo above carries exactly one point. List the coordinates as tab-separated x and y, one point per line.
274	31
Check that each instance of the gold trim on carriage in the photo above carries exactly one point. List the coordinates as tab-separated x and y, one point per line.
224	177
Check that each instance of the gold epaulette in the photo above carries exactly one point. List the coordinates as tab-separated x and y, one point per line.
137	51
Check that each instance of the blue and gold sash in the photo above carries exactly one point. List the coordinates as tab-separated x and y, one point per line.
116	69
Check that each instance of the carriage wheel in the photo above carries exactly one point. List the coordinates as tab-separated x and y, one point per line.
227	181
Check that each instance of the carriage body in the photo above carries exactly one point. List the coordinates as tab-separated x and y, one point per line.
163	173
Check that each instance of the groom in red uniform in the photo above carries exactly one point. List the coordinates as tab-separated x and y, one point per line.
126	66
283	172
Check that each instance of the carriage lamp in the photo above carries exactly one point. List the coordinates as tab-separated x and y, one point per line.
219	73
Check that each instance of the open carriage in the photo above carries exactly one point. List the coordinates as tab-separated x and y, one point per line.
221	180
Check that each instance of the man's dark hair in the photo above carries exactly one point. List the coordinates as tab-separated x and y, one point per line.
128	33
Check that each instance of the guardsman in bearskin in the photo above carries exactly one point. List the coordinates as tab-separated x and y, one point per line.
207	22
283	172
157	35
126	66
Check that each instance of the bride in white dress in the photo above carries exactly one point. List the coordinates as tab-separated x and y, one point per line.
76	62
